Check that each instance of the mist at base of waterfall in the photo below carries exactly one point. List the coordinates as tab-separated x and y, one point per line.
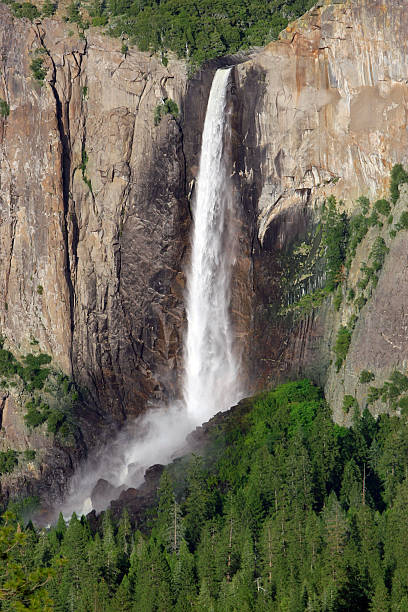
153	438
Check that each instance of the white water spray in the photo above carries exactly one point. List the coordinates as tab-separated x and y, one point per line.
211	369
211	375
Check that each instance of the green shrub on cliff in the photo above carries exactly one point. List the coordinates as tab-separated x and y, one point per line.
48	8
73	14
335	240
8	363
403	221
25	10
349	401
398	177
37	68
358	228
167	107
391	390
342	345
8	461
383	207
4	109
84	163
378	252
365	377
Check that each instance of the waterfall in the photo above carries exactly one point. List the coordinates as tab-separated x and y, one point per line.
211	370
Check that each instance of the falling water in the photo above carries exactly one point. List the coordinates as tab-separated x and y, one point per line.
211	370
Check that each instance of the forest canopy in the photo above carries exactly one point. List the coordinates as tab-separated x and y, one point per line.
197	30
285	510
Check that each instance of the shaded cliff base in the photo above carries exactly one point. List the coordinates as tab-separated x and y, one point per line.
340	295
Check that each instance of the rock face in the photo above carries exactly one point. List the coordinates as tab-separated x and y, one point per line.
323	112
93	211
94	199
93	216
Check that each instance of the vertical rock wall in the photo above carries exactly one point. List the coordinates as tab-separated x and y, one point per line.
94	215
324	112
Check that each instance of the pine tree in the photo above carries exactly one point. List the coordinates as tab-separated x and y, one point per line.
169	518
245	577
110	549
76	569
209	571
124	533
197	501
335	540
396	545
351	486
204	600
227	547
153	579
380	601
22	587
122	601
184	580
57	533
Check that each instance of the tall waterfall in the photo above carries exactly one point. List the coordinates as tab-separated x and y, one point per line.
211	370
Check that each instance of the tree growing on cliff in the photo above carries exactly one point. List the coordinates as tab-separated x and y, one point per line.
398	177
335	240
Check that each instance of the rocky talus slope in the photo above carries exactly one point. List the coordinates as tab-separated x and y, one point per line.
94	207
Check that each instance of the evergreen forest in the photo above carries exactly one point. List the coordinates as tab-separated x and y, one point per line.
197	30
283	511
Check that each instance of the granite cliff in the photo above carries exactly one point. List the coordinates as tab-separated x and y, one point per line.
94	210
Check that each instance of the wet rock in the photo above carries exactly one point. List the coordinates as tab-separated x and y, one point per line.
103	493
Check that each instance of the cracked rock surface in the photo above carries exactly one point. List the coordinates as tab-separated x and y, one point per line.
92	211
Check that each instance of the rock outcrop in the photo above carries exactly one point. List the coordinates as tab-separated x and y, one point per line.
323	112
93	211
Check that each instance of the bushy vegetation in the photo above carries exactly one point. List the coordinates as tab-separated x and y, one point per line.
200	30
403	221
359	226
284	511
30	369
52	395
383	207
39	71
4	109
8	461
83	166
365	377
349	402
398	177
335	240
342	344
48	8
167	107
57	414
197	30
25	9
391	391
